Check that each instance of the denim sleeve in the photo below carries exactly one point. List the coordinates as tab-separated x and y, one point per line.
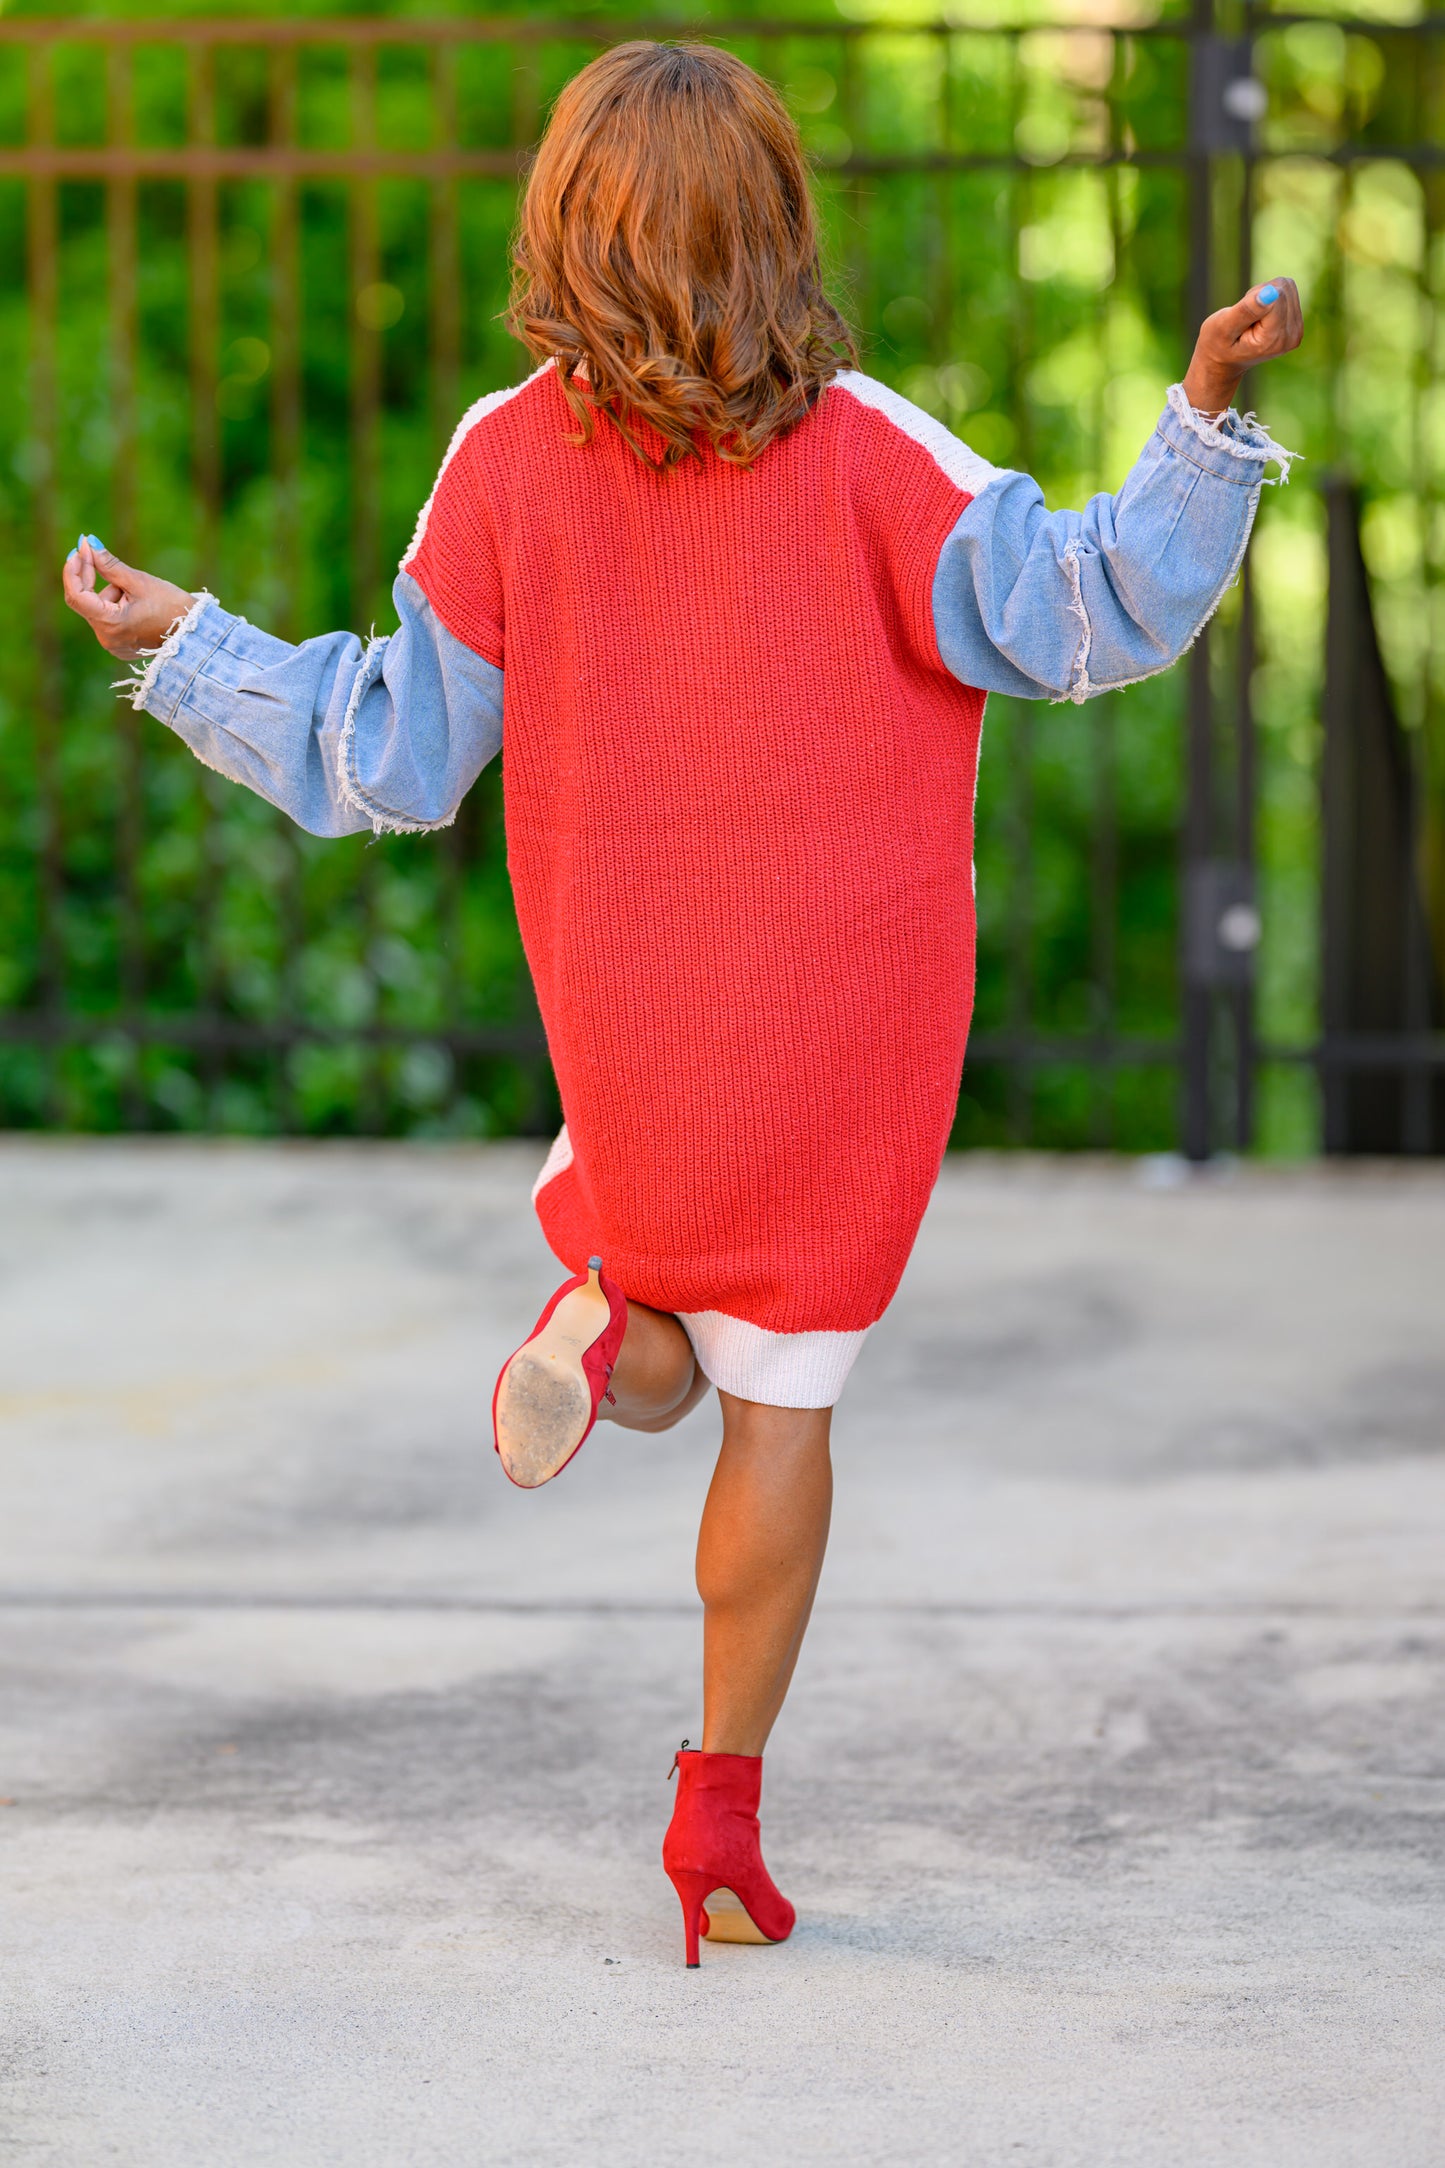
1061	605
341	736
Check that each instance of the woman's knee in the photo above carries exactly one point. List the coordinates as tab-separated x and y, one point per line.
633	1415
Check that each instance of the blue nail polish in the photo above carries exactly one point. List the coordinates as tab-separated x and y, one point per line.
95	541
1266	295
80	542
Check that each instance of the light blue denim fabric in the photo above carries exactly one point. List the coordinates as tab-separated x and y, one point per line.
1062	605
341	737
1046	605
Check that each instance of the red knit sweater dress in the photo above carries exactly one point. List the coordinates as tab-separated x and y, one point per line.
739	788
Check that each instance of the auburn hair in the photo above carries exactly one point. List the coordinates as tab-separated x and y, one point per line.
666	255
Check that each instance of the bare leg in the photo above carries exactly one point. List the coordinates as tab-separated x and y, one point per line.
657	1381
759	1554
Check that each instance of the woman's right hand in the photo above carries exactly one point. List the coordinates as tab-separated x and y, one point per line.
133	612
1268	321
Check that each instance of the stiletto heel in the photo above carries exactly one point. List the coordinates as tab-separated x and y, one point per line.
693	1890
713	1854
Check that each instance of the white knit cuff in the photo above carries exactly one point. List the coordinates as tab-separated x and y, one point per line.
780	1369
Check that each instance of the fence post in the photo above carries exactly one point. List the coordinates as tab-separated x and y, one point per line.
1198	825
1220	924
42	248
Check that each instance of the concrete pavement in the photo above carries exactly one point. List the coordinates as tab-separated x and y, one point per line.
1112	1790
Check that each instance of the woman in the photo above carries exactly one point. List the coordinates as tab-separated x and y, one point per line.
733	609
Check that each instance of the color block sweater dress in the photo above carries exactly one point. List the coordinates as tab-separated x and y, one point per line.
740	713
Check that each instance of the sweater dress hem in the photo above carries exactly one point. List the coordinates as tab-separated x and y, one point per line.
779	1369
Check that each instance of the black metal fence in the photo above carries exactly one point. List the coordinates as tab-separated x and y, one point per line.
251	275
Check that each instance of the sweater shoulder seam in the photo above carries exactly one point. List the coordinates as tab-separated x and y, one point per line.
965	468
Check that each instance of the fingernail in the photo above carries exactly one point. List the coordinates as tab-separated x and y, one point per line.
1266	295
96	543
72	554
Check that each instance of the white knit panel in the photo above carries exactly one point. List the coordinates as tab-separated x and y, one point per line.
964	468
557	1159
475	413
781	1369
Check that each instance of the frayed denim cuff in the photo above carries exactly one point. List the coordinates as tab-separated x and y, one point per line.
160	681
1234	448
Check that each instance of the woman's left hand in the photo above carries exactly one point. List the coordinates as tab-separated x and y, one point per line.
1266	322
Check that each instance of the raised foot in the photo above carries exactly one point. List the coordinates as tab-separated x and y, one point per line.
544	1400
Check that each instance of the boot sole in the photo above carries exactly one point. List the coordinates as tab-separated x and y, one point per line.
728	1920
544	1399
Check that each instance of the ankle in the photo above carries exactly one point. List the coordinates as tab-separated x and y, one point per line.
736	1737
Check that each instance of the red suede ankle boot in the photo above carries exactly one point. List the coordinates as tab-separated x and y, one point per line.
713	1852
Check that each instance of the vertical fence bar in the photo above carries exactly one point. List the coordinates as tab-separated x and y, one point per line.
286	349
203	259
1243	998
1103	929
1197	1000
941	339
1246	771
1417	1083
365	473
1019	1075
365	345
855	235
444	260
287	539
1415	1080
122	270
202	240
1197	1132
444	272
42	250
1341	662
1104	867
1428	1121
120	220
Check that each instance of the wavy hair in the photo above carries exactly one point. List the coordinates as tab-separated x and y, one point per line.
666	255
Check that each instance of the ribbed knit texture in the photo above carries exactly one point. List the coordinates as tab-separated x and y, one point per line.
739	788
786	1370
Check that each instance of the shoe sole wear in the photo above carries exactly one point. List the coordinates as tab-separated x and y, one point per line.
728	1920
544	1401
